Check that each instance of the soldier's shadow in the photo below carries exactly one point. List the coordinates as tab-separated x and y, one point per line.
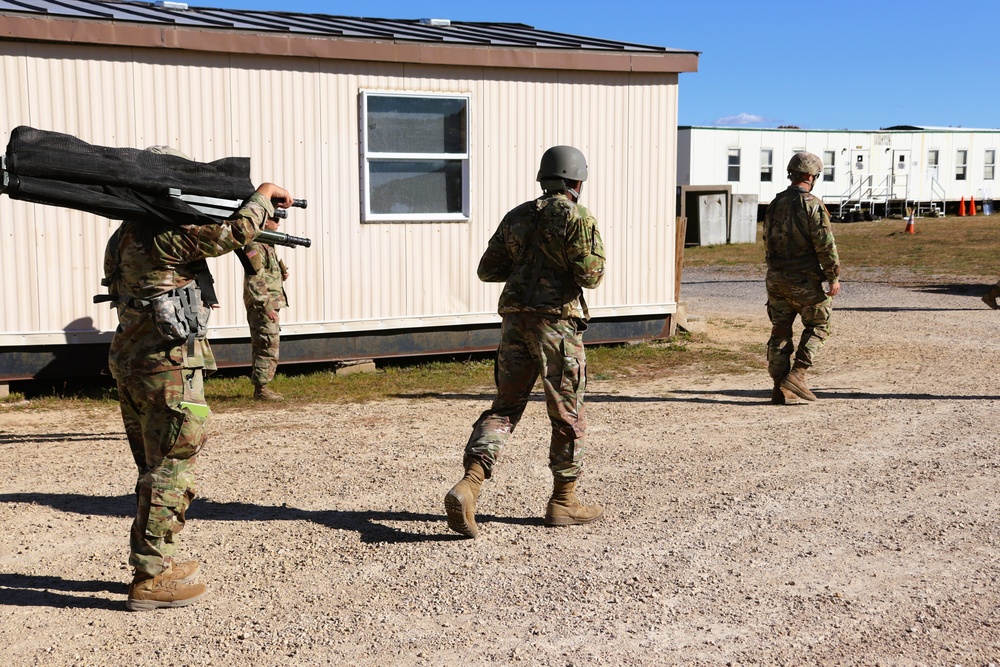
379	527
374	526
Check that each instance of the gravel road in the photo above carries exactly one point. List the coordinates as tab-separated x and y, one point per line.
860	530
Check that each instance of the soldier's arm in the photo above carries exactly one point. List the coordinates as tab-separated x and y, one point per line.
585	250
256	295
495	265
824	244
201	241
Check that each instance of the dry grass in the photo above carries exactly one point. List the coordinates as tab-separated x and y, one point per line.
966	247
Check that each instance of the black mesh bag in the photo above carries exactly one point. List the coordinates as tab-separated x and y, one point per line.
119	183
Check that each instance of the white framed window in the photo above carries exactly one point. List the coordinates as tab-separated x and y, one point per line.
733	164
990	164
766	165
961	164
415	156
829	165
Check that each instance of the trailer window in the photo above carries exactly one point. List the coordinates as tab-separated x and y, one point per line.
991	164
766	165
961	163
829	169
415	150
734	164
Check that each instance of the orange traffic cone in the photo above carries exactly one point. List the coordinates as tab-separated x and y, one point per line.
909	226
961	207
972	205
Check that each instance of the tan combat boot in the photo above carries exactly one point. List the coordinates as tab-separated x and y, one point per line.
795	382
181	572
460	502
262	393
162	591
564	509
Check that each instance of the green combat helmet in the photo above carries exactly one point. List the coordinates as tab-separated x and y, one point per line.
806	163
562	162
167	150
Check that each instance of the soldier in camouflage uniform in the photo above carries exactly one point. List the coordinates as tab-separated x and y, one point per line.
801	254
264	296
158	357
545	251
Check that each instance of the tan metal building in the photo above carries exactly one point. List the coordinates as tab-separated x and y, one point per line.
410	139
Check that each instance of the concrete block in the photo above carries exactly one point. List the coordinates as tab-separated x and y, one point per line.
353	366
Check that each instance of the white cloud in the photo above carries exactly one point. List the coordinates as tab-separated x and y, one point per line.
742	119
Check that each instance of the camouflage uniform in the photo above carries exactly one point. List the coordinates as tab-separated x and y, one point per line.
801	254
264	293
545	250
160	380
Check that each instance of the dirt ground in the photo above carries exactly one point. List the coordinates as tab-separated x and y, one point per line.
860	530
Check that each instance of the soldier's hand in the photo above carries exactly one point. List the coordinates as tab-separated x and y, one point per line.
834	289
273	315
276	194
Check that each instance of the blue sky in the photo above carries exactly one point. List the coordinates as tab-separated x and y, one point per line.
840	65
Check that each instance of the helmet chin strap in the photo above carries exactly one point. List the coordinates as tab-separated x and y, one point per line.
576	195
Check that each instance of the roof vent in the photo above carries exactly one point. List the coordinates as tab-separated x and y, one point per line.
437	23
169	4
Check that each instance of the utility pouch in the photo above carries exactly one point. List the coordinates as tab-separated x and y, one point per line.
178	313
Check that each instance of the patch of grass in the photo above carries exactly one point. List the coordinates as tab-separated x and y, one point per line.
964	247
474	375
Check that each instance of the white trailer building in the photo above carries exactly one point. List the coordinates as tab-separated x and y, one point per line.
877	172
409	138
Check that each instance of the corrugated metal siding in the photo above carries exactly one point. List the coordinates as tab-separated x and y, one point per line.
298	121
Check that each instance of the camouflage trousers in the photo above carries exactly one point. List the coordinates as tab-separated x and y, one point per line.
791	294
264	340
165	439
533	346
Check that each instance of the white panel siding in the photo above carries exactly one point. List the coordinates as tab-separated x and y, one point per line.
298	121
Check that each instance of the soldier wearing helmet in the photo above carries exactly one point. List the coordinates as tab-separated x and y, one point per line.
544	251
801	255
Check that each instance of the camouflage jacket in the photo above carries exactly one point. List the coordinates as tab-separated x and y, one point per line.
153	259
264	291
545	250
798	236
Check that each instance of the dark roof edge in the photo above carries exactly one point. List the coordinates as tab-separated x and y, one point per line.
111	33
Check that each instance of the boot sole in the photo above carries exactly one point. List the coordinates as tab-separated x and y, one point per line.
455	509
150	605
804	395
554	521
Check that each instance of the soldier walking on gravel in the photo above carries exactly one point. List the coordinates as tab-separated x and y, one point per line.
545	251
159	356
801	255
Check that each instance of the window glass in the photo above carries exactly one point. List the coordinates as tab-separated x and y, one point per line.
991	164
961	162
414	187
766	166
734	164
829	165
416	125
